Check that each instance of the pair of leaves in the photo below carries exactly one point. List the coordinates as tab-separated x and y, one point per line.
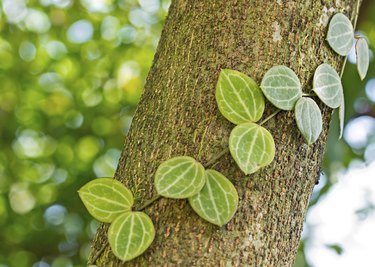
341	37
328	87
210	194
283	89
241	101
108	200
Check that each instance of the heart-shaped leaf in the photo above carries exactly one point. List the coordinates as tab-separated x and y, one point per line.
327	85
217	201
251	146
130	235
179	177
106	198
340	34
238	97
281	87
363	59
309	119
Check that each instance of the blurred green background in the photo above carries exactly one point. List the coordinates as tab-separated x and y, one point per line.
71	75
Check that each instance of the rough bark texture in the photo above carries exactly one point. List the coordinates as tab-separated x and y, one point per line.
178	115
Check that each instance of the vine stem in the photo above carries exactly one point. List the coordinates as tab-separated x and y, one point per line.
308	94
216	158
270	117
355	25
149	202
99	253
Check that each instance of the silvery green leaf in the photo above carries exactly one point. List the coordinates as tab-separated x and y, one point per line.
281	87
327	85
217	201
363	59
340	34
179	177
106	198
309	119
130	235
238	97
251	146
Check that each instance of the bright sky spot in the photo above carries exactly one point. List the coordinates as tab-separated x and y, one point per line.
80	31
344	217
358	130
370	89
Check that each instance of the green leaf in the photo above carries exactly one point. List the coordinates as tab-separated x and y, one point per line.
179	177
281	87
363	59
238	97
327	85
309	119
251	146
106	198
342	117
217	201
340	34
130	235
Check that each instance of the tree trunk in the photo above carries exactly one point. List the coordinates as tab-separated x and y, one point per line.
178	115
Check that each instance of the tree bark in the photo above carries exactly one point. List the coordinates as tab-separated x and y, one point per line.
178	115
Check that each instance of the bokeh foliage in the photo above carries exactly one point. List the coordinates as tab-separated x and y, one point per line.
71	74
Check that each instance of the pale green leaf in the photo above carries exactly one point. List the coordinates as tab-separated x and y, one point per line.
342	117
309	119
238	97
106	198
327	85
251	146
281	87
130	235
217	201
340	34
179	177
363	59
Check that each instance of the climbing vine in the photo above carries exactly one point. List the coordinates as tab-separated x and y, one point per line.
241	101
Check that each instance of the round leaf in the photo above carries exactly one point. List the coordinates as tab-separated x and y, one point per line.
340	34
217	201
281	87
130	235
238	97
309	119
251	146
363	59
106	198
327	85
179	177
